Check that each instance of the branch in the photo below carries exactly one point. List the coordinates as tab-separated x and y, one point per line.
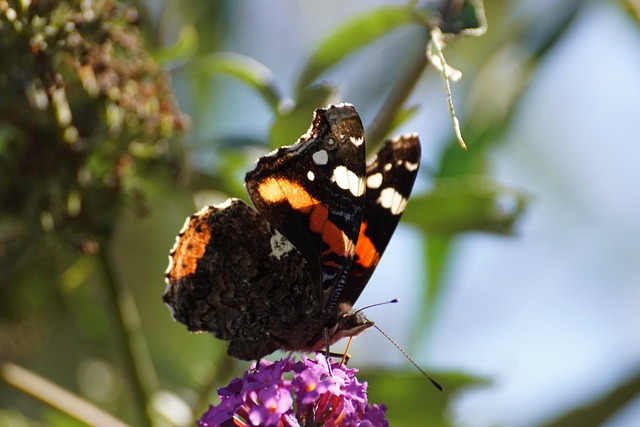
57	397
137	362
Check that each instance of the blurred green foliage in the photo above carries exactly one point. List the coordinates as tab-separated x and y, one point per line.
87	115
88	124
94	184
403	390
87	112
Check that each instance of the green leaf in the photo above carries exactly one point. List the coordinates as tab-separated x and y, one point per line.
288	126
410	397
78	273
248	70
350	37
374	141
232	170
185	47
437	250
461	204
602	408
469	19
402	117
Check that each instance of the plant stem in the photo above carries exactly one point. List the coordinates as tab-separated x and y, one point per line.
398	95
137	363
221	371
57	397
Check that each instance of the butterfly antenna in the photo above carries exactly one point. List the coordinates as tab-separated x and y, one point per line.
393	301
434	382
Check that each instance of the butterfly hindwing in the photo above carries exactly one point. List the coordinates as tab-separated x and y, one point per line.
232	274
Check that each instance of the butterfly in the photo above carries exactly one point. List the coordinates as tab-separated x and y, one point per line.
286	275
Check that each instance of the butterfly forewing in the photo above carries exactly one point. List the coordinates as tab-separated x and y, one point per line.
313	192
389	180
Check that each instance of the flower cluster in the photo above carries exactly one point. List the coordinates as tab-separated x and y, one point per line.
312	396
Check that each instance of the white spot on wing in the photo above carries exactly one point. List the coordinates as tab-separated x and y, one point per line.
347	180
375	180
311	176
392	200
223	205
387	167
320	157
280	246
411	166
356	141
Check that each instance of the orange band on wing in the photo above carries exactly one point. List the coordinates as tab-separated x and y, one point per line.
336	239
279	190
274	190
367	254
190	247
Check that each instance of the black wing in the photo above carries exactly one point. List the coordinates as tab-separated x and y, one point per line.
390	178
232	274
313	192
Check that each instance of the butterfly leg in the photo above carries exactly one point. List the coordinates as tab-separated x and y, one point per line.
345	355
327	351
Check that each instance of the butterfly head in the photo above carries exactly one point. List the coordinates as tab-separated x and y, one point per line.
350	323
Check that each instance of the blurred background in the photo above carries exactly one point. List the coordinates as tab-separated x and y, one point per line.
517	265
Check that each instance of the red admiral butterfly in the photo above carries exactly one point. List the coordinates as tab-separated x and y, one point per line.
287	275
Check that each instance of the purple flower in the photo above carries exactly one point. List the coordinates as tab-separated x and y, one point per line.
312	396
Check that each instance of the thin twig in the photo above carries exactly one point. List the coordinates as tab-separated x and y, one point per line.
397	97
222	368
57	397
436	44
137	363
